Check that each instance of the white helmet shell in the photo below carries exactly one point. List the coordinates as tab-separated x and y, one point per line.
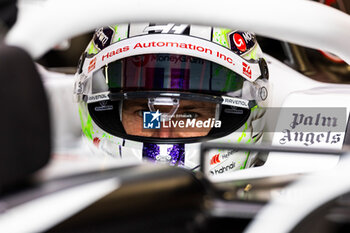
101	93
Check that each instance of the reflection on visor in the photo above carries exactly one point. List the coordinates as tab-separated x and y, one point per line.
166	72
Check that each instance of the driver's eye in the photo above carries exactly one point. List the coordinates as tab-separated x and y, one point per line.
140	112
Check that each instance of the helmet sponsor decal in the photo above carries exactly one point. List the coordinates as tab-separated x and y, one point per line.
98	97
139	61
80	84
115	52
223	169
103	107
215	159
174	44
220	162
241	42
247	71
235	102
167	28
103	37
92	65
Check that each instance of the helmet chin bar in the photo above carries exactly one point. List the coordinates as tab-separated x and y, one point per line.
164	101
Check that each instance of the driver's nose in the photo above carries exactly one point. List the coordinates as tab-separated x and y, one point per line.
165	132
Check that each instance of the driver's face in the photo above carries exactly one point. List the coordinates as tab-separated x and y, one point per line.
132	119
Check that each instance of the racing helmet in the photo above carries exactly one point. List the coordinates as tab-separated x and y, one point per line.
156	91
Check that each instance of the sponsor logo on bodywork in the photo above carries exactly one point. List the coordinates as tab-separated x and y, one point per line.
223	169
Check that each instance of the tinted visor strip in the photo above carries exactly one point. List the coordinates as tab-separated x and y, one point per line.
250	70
224	100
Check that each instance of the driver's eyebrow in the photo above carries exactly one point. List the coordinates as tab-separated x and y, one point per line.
190	107
198	105
137	104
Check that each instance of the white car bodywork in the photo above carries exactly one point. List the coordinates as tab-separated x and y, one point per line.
302	22
290	21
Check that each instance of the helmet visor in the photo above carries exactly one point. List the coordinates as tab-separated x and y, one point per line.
167	96
166	72
167	115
